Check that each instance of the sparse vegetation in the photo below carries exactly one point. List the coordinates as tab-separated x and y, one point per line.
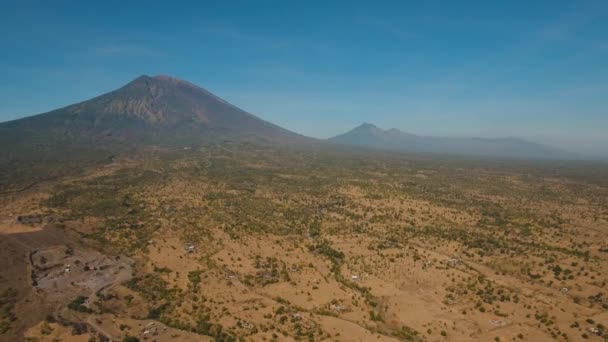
78	305
8	299
285	242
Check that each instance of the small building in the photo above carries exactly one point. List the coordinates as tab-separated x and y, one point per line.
247	325
190	248
498	322
309	325
337	308
452	262
595	331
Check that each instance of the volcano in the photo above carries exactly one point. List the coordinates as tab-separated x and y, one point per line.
159	110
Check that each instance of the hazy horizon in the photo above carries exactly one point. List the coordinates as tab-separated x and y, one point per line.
232	171
533	71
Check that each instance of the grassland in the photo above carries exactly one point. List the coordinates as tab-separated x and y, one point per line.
234	242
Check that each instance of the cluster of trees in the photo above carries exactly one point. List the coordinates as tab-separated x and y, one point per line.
8	299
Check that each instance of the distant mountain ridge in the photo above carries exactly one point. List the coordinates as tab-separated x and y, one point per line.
166	111
369	135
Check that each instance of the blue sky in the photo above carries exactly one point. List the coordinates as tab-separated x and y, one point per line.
531	69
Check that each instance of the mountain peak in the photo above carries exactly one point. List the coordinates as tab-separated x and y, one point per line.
175	81
368	135
143	79
156	109
165	80
367	125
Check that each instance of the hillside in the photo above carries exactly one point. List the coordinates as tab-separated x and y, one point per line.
217	229
146	114
369	135
148	110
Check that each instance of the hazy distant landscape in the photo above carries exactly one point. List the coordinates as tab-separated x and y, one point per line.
161	211
300	171
166	110
368	135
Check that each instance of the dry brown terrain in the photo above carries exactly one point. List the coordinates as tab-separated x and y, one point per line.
232	243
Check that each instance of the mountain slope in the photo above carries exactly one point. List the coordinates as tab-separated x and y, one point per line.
149	110
368	135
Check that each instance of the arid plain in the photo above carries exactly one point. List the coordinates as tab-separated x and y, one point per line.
242	242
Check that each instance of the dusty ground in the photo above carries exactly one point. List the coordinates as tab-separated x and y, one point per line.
296	247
